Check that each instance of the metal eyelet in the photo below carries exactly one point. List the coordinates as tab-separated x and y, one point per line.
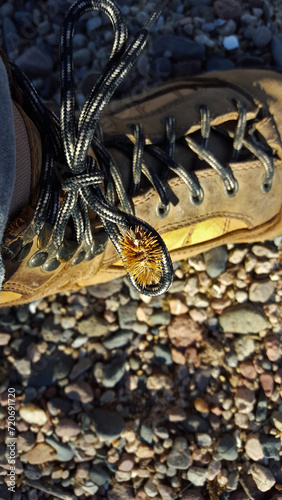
197	200
230	193
51	265
78	258
38	259
162	210
266	186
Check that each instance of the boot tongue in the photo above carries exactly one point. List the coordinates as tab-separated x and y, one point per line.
28	162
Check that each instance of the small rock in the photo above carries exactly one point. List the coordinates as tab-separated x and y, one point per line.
196	424
276	49
248	370
92	25
243	318
267	382
272	346
201	405
163	355
126	462
67	428
197	475
158	382
261	291
4	338
183	331
178	46
80	367
253	447
105	290
35	62
277	420
230	42
25	441
144	451
40	454
64	452
150	488
179	457
271	446
227	448
261	36
215	260
118	340
224	9
33	414
244	400
143	65
262	476
114	372
108	424
217	63
80	391
244	347
93	327
32	472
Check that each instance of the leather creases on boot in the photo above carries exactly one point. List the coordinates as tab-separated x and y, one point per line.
183	168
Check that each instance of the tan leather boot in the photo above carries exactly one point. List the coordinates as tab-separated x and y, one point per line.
211	147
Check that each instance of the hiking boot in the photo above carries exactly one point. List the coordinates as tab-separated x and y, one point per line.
157	178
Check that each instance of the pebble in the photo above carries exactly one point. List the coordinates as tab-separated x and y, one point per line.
108	424
267	383
230	42
196	424
271	446
35	62
244	347
261	291
243	318
227	10
163	355
118	340
25	441
158	382
213	469
262	476
113	372
179	457
253	447
261	36
33	414
92	25
276	49
277	420
227	448
150	488
80	391
40	454
215	260
178	47
197	475
244	400
93	327
183	331
67	429
64	452
80	367
4	338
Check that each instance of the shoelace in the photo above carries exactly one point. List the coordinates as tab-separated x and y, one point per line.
68	143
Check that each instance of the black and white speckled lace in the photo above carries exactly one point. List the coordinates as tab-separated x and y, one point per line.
67	165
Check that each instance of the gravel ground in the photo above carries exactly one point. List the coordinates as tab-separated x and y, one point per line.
120	396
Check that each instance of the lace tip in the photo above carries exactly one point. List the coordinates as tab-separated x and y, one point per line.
142	256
